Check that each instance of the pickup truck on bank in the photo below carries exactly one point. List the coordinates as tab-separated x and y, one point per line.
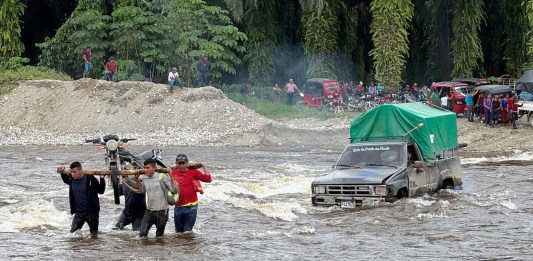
395	151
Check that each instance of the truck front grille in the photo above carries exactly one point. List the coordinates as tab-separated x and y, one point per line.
349	190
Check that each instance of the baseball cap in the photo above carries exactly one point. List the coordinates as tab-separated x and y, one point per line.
181	158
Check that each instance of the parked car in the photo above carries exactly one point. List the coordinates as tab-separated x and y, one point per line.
458	91
396	150
318	90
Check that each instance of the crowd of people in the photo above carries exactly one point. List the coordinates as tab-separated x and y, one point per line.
492	109
144	208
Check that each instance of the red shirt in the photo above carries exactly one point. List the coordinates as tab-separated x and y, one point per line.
510	104
185	181
111	66
88	55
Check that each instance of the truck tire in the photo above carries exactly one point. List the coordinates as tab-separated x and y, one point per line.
530	118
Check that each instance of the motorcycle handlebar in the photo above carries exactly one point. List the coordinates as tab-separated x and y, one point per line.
93	141
126	140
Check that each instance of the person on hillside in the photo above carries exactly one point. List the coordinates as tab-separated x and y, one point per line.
134	209
87	62
83	197
186	209
173	79
291	88
156	203
203	66
110	69
276	93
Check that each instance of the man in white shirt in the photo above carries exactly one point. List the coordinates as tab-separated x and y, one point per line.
444	102
173	79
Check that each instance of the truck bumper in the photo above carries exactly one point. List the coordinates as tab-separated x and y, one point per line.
326	200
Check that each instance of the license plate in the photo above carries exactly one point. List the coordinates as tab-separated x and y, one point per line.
347	204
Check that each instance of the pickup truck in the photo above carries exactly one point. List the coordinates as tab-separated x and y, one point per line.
396	151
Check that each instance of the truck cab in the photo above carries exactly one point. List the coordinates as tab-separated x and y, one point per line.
380	166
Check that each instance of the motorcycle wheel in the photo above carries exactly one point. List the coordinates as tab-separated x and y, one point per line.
114	181
351	106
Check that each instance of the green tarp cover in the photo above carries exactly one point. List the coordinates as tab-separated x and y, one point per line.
392	121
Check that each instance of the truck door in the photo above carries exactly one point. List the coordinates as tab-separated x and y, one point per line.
418	178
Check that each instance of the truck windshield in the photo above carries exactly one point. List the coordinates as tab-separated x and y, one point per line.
461	90
372	155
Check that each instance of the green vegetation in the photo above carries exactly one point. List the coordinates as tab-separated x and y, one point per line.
11	75
10	42
467	54
263	105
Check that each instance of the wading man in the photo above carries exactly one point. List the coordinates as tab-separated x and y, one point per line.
186	209
156	202
83	197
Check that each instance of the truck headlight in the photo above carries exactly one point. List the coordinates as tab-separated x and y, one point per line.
380	190
112	145
320	190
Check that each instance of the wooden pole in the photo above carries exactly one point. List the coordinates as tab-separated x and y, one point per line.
122	172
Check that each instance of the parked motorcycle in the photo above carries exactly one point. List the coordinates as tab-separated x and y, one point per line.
117	157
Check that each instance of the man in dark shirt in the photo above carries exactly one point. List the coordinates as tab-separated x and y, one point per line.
203	66
83	197
134	208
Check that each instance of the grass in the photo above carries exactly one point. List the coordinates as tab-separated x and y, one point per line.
280	110
9	78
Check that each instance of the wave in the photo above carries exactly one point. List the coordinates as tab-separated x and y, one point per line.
39	215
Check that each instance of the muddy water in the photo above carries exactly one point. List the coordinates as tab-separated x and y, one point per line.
258	207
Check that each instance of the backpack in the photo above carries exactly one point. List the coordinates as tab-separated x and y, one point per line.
172	198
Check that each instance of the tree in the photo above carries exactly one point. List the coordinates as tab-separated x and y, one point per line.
87	27
205	30
10	43
466	45
321	32
516	26
262	39
390	20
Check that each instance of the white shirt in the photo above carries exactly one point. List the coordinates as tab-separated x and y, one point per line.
173	76
444	101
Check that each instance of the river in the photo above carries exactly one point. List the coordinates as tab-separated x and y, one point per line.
258	207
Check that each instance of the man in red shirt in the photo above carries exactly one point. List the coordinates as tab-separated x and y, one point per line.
87	64
512	106
186	209
110	70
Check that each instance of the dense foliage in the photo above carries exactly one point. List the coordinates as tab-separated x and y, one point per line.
267	41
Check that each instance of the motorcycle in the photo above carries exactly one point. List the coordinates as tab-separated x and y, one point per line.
117	157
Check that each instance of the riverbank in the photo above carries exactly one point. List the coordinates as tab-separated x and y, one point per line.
68	112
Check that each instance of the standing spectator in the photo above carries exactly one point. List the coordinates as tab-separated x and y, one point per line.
359	89
469	100
372	89
156	201
276	94
290	88
480	105
186	209
380	89
504	115
495	110
435	98
87	65
173	79
110	69
512	104
83	193
444	102
487	106
203	66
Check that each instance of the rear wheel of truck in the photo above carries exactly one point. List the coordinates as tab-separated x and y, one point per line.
447	184
402	193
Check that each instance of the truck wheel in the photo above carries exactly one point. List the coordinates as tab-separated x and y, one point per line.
530	118
114	181
402	193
